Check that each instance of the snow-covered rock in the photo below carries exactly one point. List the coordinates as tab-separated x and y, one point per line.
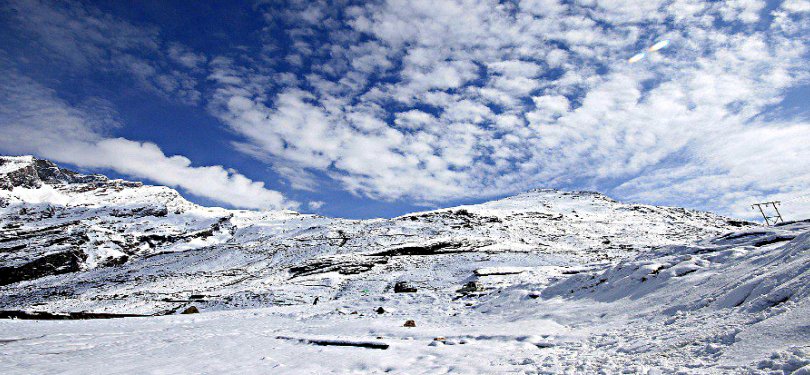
542	282
94	230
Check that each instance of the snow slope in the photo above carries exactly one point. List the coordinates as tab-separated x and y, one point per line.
543	282
116	246
636	321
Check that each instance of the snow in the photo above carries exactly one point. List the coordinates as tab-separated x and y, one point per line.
45	194
544	282
261	341
646	318
10	164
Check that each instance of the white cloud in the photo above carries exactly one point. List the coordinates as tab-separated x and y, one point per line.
749	165
34	120
414	119
747	11
315	205
480	98
545	8
439	75
515	68
431	101
548	108
185	56
797	6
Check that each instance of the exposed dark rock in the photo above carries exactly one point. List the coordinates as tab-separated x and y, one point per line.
50	173
328	342
141	212
404	287
738	223
112	262
13	248
191	310
773	240
25	177
740	235
51	264
427	249
470	287
497	272
380	310
156	240
43	171
42	315
6	236
442	247
340	238
344	267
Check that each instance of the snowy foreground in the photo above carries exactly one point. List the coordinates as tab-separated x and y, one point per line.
543	282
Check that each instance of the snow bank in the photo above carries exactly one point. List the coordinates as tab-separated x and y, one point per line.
748	270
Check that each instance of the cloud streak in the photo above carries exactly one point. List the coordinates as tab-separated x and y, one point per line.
83	39
34	120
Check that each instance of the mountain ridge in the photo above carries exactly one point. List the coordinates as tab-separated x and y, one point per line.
545	281
57	222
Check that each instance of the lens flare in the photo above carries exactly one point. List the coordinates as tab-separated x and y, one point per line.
637	58
659	46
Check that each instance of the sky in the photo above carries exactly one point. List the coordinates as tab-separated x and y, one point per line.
379	108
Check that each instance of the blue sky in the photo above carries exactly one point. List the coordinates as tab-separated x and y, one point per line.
374	109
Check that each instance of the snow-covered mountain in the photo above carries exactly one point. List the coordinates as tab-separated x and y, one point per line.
545	281
58	222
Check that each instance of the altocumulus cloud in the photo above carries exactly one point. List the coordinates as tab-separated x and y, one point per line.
431	101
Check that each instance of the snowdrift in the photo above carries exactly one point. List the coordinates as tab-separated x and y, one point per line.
749	270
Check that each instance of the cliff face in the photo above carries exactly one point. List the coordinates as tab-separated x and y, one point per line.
31	173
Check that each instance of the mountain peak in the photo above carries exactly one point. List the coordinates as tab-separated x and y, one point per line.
29	172
28	180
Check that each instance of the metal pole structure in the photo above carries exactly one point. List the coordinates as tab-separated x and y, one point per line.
759	205
776	219
778	215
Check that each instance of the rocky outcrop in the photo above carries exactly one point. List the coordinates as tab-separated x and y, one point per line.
190	310
86	221
51	264
32	173
404	287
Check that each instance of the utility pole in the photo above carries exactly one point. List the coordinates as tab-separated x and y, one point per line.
769	220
